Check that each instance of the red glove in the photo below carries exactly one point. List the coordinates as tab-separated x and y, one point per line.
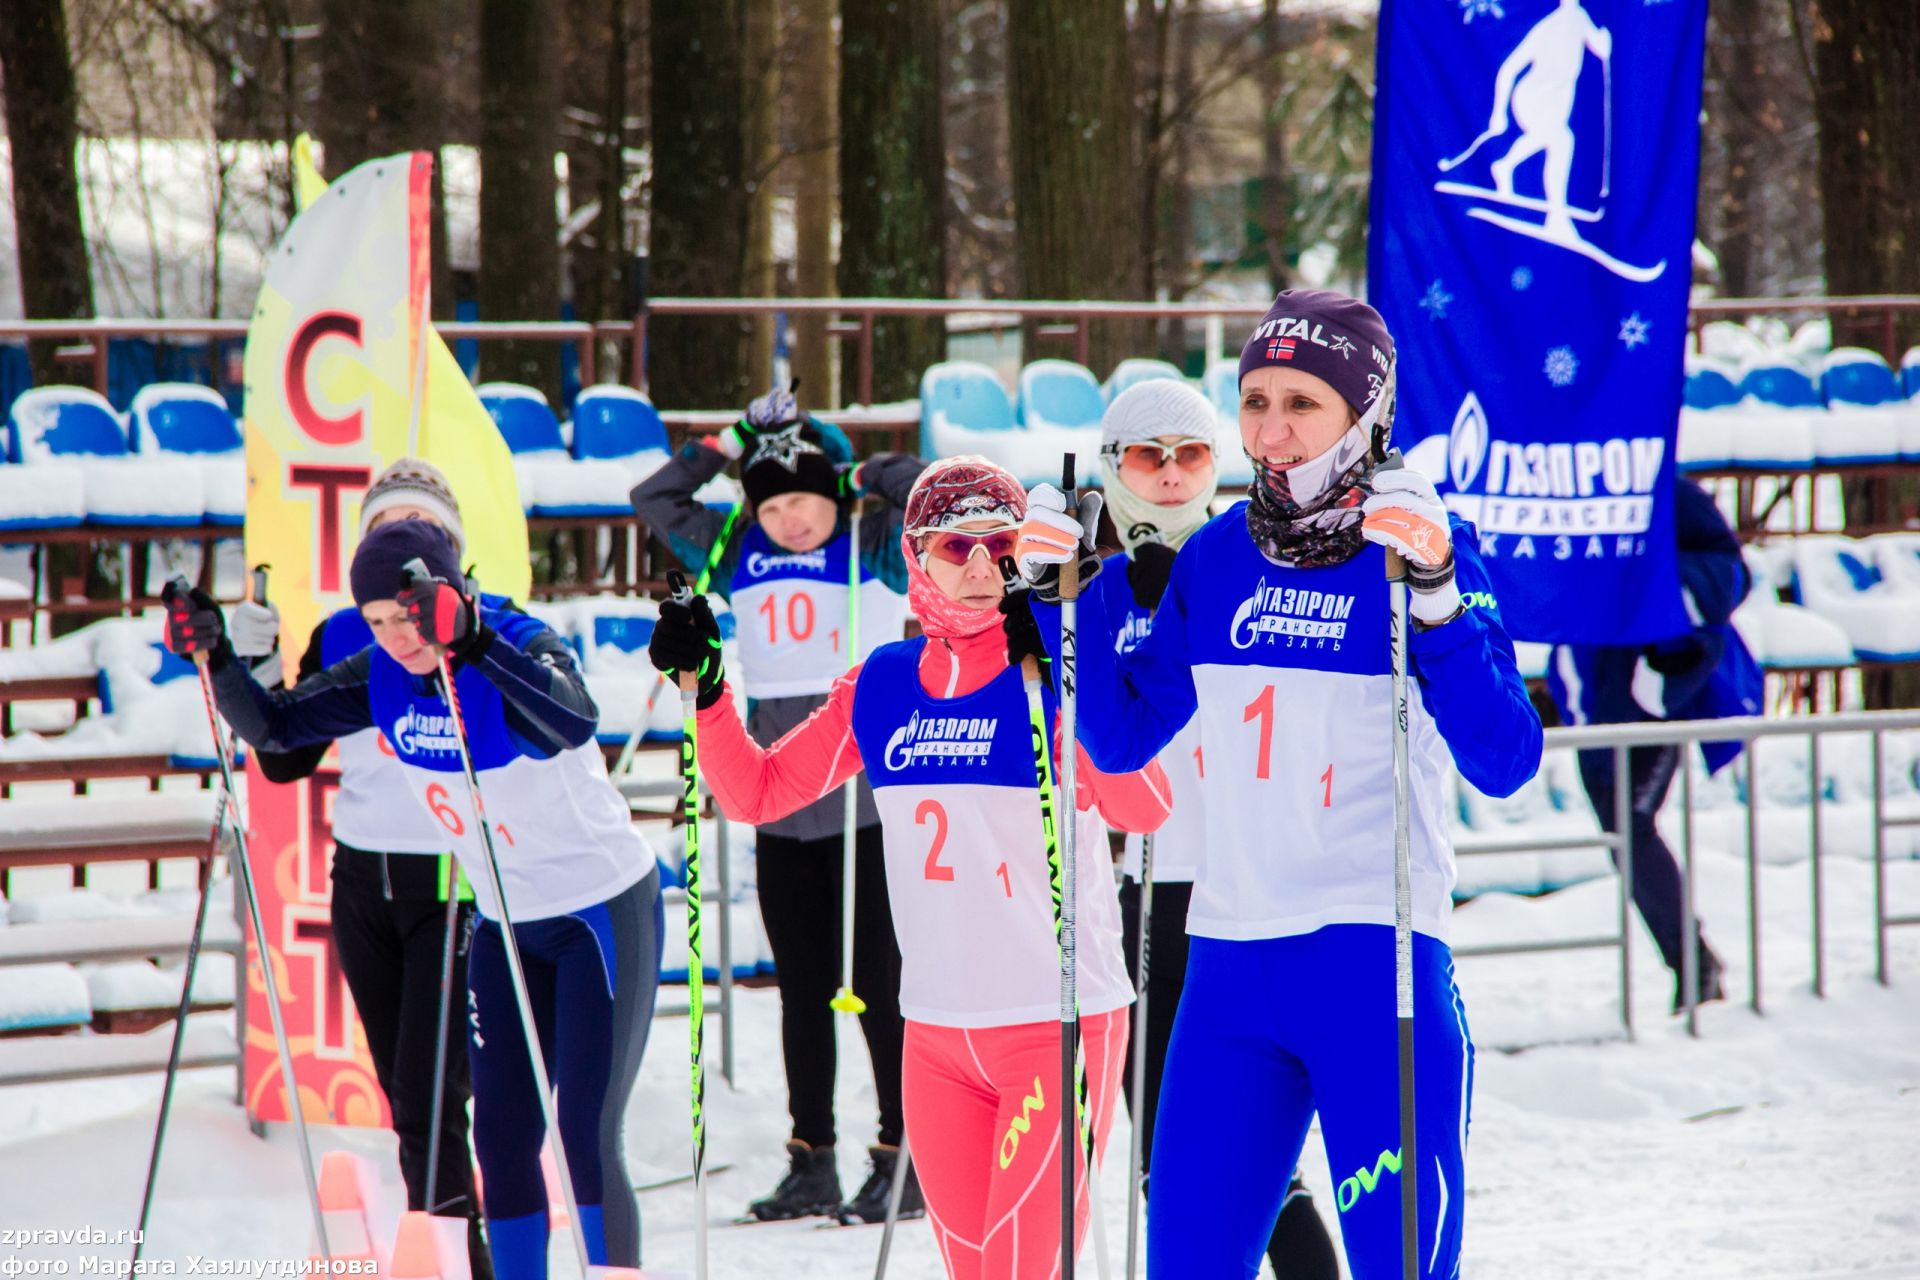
442	614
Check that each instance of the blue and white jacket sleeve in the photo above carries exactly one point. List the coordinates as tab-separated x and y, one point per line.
548	709
1471	684
1129	706
329	704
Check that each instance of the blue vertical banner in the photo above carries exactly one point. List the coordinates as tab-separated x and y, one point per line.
1535	164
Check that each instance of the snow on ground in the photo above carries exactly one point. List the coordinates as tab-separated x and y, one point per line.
1775	1145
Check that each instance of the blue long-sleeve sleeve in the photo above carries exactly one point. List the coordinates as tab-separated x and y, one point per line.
1471	684
548	709
329	704
1130	706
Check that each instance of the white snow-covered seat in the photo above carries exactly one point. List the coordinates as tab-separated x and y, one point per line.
1868	420
1706	426
1774	423
1898	557
611	635
1733	342
73	427
541	462
1136	369
1782	636
963	409
191	423
43	997
1813	339
616	441
49	496
1838	578
1910	387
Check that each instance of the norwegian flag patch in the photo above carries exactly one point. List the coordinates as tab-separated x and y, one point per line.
1280	349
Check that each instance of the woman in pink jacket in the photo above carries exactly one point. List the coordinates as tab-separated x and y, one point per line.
940	725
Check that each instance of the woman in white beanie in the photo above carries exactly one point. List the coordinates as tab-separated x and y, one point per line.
390	865
1157	472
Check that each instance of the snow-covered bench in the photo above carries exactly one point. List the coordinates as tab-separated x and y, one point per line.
123	828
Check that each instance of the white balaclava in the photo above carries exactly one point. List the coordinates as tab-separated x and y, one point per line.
1147	411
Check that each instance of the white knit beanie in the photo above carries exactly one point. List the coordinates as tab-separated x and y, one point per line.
414	482
1147	411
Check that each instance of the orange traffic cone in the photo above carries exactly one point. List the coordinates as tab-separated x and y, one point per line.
346	1184
430	1248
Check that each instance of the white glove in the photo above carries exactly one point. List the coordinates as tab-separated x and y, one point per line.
1049	538
254	629
1405	514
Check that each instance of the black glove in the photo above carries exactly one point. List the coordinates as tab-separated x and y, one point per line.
443	615
195	623
1022	632
1148	571
687	638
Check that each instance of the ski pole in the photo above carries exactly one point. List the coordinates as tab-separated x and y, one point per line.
1403	916
1069	886
696	965
718	552
1141	1103
846	1001
417	571
441	1035
179	1029
895	1194
243	872
221	810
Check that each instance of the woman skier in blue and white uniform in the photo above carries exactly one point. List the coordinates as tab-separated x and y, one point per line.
1275	629
579	880
1158	476
783	565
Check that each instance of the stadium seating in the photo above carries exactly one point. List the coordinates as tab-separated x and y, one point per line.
1868	420
1840	579
56	428
1773	425
1706	441
1910	388
1782	636
552	483
962	408
1059	394
1128	372
189	422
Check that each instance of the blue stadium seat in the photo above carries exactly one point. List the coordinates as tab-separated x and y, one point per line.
1867	417
962	404
1841	579
1059	393
1706	426
55	430
1134	370
189	422
1774	424
616	422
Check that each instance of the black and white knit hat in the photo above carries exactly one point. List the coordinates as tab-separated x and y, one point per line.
414	482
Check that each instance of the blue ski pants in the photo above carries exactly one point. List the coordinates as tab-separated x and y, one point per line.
1272	1029
591	977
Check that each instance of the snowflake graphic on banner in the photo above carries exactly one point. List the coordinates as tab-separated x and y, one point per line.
1562	366
1435	302
1634	331
1471	9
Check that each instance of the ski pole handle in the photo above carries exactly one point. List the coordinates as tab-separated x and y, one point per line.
1070	571
682	594
260	583
1396	563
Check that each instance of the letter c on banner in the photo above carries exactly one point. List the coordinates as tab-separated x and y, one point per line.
323	430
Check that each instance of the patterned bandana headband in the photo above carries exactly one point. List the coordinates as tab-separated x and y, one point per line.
952	492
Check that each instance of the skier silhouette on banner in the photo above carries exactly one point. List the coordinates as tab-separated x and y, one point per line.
1537	84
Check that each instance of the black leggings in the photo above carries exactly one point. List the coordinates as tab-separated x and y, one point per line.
1657	890
800	905
389	928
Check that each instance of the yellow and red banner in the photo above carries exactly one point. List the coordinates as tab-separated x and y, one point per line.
344	374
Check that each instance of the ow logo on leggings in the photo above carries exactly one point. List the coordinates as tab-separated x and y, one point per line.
1365	1180
1022	1123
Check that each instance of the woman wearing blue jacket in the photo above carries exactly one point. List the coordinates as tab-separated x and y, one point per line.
1273	634
579	880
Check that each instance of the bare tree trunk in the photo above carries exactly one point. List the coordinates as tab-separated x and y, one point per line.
1274	216
382	91
519	232
1072	149
813	92
763	156
893	172
55	283
1866	59
597	68
698	229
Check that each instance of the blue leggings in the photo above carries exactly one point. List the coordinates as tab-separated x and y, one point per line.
591	977
1269	1031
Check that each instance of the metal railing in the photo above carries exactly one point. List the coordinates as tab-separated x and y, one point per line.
1619	739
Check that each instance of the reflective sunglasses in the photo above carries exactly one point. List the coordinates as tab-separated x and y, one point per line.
1148	456
958	548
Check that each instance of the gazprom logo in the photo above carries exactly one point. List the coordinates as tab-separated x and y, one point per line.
759	563
1293	612
1467	444
414	734
942	740
1133	631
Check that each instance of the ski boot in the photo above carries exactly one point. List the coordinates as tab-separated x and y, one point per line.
1709	984
812	1186
869	1204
